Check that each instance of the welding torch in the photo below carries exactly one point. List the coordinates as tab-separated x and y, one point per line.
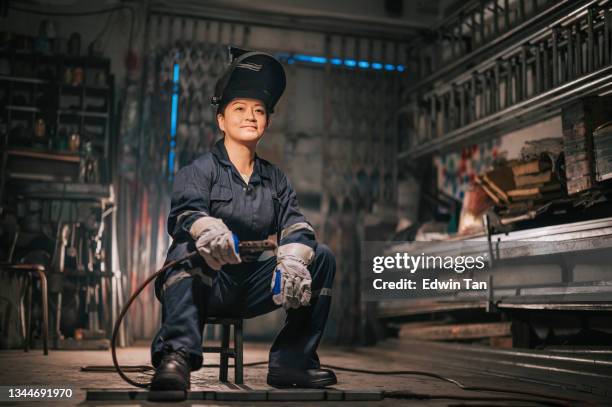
247	248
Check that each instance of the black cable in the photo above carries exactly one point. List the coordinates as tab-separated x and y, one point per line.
124	311
450	380
83	14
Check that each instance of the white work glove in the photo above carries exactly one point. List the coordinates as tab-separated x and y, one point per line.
291	281
214	242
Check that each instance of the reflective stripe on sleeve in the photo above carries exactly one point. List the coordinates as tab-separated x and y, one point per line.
294	228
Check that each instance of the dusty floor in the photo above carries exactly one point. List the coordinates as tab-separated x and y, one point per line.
62	368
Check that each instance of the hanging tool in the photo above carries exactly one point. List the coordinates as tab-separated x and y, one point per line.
244	248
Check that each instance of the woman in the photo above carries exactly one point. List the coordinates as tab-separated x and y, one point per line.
233	191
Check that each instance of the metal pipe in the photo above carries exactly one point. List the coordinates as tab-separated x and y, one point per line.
473	115
445	114
537	85
571	69
461	105
496	87
495	18
524	72
473	31
578	48
506	15
607	32
453	109
590	40
555	56
482	22
508	68
483	91
432	117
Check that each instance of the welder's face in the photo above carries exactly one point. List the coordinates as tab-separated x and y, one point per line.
244	120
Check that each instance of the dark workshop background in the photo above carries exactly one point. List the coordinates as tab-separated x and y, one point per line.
402	120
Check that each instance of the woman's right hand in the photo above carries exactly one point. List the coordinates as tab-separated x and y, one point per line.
214	242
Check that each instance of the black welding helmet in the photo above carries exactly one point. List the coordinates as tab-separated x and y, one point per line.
251	74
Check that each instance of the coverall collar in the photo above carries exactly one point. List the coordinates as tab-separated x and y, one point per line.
259	170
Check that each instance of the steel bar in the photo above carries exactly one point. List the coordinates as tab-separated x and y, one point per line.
578	47
571	69
506	15
590	40
483	90
496	18
482	22
607	33
562	66
491	92
508	67
555	56
473	112
453	101
524	56
497	87
473	28
462	119
432	117
537	85
456	49
445	114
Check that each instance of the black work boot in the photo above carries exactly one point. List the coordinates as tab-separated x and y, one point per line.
310	378
173	373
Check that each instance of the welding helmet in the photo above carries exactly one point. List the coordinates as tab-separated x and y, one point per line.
251	74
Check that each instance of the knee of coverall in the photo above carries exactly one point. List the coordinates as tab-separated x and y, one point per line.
323	268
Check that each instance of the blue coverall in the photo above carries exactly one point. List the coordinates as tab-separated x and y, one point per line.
191	291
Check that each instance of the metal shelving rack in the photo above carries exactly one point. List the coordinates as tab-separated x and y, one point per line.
48	173
522	80
84	108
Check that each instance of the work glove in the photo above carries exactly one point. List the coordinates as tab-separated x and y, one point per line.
215	242
291	282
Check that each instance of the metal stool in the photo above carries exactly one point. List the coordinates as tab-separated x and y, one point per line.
33	270
225	351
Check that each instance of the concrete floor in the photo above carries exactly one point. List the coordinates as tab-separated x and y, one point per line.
62	368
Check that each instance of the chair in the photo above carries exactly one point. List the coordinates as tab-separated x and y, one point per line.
33	270
225	351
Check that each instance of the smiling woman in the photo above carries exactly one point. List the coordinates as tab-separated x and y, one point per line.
228	194
243	123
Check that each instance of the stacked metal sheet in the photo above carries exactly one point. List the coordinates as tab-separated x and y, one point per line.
602	143
579	120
